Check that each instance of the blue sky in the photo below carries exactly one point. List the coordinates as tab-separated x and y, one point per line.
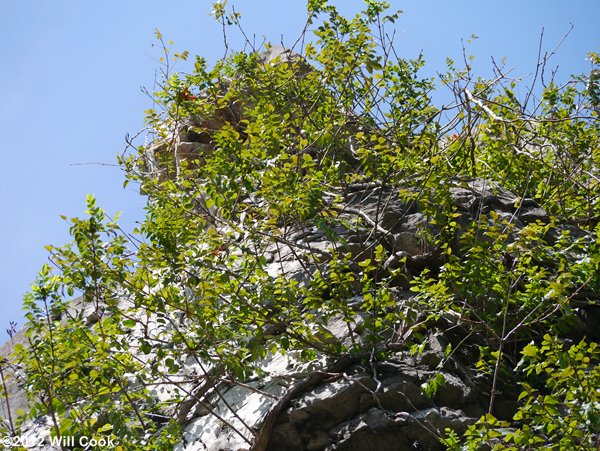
71	72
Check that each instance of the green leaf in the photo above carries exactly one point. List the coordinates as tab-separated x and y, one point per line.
530	351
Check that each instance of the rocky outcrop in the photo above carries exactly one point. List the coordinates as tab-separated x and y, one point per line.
14	399
357	401
355	406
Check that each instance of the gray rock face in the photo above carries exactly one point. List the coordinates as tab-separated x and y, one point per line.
362	407
13	399
359	411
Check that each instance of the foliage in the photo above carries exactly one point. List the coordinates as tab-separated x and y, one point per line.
562	413
191	299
